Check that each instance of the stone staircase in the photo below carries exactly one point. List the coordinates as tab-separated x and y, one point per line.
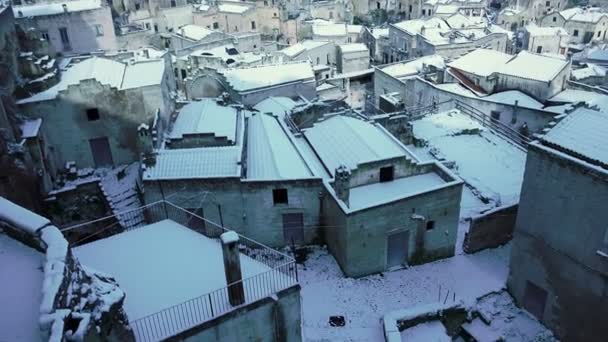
121	190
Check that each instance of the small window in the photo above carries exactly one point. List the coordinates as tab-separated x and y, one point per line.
279	196
184	74
318	60
430	225
99	30
93	114
137	6
155	28
539	49
423	12
575	33
554	19
275	14
253	25
147	26
350	40
265	3
599	33
548	3
216	25
495	115
173	3
44	35
387	174
410	8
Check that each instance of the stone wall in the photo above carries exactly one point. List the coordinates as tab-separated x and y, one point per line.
490	229
559	229
269	319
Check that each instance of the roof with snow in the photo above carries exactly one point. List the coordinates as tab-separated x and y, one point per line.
484	62
246	79
589	15
193	32
20	291
233	7
195	163
582	134
575	95
415	26
271	154
354	47
414	67
344	140
536	31
53	8
331	29
206	117
30	128
298	48
108	72
134	260
590	70
511	96
276	105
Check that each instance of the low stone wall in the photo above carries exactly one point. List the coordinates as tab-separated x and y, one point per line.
490	229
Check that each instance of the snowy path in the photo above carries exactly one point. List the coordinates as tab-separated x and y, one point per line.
325	291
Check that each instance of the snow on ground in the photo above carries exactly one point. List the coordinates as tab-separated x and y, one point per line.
326	292
20	291
489	164
433	331
175	264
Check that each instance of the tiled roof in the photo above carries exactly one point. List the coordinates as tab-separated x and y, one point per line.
584	134
193	163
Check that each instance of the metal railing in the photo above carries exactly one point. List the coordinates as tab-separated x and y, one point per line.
281	273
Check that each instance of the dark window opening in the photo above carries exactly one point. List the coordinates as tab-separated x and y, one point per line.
387	174
575	33
184	75
279	196
253	25
216	25
539	49
137	6
554	19
92	114
173	3
430	225
495	115
155	28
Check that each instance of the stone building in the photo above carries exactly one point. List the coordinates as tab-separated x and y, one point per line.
559	257
382	207
377	42
487	71
318	52
352	57
91	116
582	24
73	27
422	37
337	33
552	40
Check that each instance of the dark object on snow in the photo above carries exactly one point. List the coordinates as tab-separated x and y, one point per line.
337	321
301	254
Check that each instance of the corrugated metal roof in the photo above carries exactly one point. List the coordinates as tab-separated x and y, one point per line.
195	163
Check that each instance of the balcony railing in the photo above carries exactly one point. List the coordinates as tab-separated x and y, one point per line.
282	272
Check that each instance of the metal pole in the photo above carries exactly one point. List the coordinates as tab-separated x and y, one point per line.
219	209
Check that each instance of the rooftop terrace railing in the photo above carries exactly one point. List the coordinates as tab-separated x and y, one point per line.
281	273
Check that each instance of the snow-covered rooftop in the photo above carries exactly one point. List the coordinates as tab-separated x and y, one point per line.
155	281
245	79
589	15
484	62
428	331
195	163
52	8
20	291
370	195
414	67
590	70
271	154
298	48
481	62
233	8
206	117
30	128
511	96
575	95
343	140
536	31
331	29
108	72
582	133
415	26
194	32
354	47
276	105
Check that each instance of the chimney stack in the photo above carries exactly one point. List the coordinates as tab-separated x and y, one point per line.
342	184
232	267
65	8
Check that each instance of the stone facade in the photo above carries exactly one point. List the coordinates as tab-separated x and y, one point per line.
579	31
86	31
556	270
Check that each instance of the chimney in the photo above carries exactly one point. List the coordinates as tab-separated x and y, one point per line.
342	183
232	267
65	8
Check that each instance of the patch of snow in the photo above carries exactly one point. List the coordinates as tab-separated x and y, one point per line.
20	217
21	279
54	266
433	331
229	237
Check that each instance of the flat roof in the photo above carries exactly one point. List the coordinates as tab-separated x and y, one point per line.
412	67
371	195
244	79
161	265
20	291
52	8
195	163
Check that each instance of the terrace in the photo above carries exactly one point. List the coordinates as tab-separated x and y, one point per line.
170	265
